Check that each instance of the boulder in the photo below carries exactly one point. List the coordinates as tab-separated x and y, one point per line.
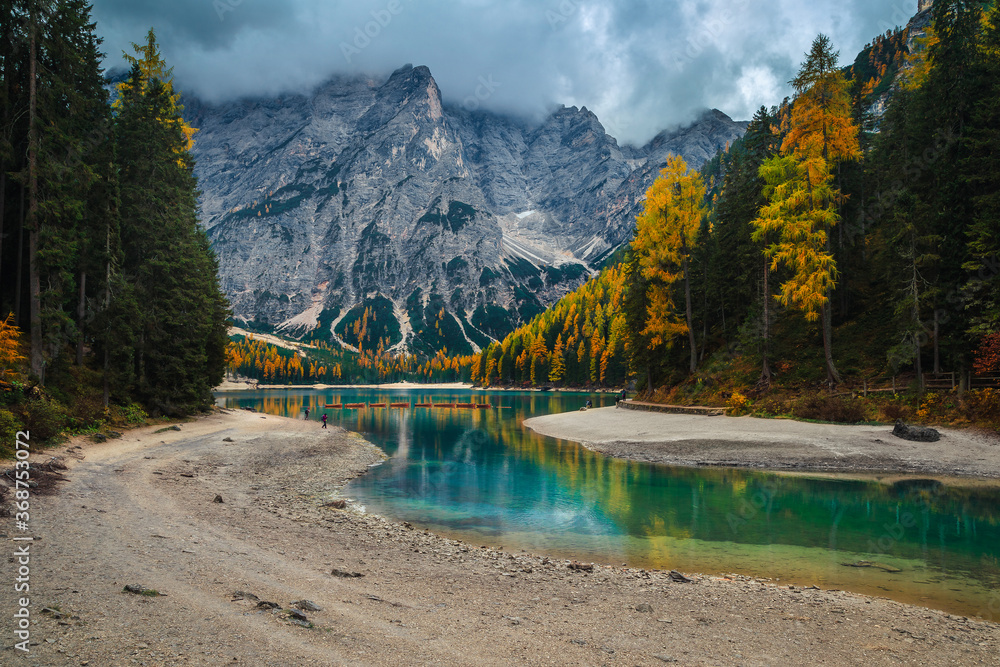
915	433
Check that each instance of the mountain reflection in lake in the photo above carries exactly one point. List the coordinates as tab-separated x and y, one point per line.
478	475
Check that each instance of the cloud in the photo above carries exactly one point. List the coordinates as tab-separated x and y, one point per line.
640	65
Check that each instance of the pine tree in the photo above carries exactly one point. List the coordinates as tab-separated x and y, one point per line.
153	68
739	274
179	333
982	169
72	167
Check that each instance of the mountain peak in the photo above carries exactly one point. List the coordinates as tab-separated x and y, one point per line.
454	226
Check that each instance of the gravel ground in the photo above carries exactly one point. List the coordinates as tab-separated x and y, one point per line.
143	511
773	444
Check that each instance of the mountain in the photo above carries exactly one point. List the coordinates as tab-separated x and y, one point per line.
370	211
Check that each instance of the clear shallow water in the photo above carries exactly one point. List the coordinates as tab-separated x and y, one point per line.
478	475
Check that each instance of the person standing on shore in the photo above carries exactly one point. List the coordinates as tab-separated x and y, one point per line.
307	413
324	420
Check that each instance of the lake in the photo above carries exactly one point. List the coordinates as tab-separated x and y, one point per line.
479	476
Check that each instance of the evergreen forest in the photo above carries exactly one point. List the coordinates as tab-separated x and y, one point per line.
111	308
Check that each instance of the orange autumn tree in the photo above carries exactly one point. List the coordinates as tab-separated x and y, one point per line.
802	199
987	359
10	346
665	237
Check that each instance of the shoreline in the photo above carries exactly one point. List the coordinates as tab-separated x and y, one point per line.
140	510
229	386
771	444
246	386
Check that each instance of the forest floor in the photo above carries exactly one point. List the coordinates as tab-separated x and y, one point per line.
234	518
772	444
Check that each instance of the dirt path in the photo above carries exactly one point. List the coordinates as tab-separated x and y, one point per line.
773	444
140	511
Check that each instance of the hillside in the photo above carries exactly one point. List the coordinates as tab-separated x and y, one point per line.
901	229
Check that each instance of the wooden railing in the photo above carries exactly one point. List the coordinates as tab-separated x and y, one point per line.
940	380
985	381
932	381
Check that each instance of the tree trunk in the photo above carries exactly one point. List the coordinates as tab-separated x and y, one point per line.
690	323
917	332
3	204
3	167
832	376
18	315
107	384
107	304
34	279
81	312
765	367
704	314
937	350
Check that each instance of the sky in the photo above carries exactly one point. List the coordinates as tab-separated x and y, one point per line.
641	65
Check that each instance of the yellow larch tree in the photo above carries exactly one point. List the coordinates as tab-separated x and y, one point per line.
802	199
665	237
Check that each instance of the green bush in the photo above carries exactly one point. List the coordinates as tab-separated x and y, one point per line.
86	412
9	426
128	415
44	419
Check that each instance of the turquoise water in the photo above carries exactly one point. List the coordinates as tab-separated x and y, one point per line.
478	475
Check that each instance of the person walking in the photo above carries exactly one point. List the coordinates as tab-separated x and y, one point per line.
324	420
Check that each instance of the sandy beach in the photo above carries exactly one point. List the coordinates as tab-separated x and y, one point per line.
233	521
773	444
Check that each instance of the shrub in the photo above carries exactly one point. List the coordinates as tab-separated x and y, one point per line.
930	407
9	426
44	419
830	409
983	405
128	415
86	412
738	404
771	407
890	412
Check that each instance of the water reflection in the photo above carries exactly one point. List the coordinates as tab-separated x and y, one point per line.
479	475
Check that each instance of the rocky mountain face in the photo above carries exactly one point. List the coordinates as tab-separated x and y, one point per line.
369	211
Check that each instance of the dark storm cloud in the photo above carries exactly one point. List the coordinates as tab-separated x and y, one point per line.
639	65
